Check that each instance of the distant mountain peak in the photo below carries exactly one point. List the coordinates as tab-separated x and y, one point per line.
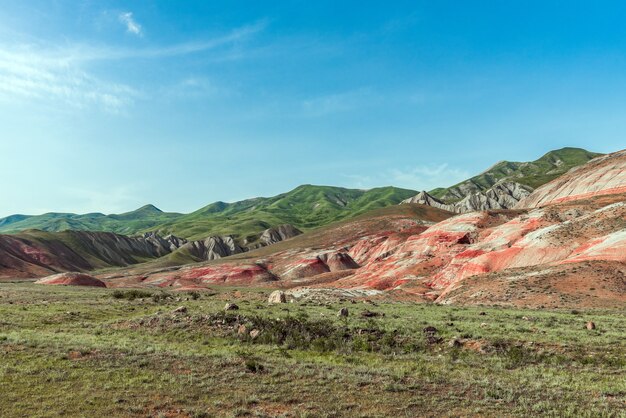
149	208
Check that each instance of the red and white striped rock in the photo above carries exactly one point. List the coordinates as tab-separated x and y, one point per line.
71	279
600	176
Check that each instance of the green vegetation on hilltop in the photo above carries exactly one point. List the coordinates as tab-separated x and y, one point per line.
128	223
305	207
104	352
533	174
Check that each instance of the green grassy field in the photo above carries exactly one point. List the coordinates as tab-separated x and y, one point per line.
100	352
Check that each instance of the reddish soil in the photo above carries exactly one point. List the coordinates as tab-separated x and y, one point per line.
72	279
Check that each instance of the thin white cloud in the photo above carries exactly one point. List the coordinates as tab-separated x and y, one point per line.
428	177
131	24
423	177
196	87
336	102
52	74
29	74
115	199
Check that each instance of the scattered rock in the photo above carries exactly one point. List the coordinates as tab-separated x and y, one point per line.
180	310
231	307
254	333
455	343
343	312
430	333
476	345
430	330
483	325
369	314
591	325
277	296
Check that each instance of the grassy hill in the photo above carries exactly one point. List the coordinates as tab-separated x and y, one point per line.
143	218
533	174
305	207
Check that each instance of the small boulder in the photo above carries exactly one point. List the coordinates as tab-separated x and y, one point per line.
231	307
242	329
343	313
254	333
430	330
277	296
591	325
369	314
455	343
180	310
430	333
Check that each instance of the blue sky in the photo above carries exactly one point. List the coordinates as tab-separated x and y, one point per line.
108	105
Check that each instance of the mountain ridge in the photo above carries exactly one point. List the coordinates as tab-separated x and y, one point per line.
530	173
306	207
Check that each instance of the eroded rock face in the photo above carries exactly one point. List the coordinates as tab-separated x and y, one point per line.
440	261
501	196
314	265
213	248
504	195
36	254
423	198
280	233
604	175
71	279
164	245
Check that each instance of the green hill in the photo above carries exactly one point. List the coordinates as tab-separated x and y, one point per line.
305	207
143	218
533	174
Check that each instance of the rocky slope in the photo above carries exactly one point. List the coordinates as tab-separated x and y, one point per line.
38	253
567	250
531	174
601	176
503	195
505	184
280	233
319	255
571	253
212	248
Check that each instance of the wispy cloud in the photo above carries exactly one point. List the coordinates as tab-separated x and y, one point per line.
40	71
196	87
421	177
337	102
28	73
115	199
131	24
